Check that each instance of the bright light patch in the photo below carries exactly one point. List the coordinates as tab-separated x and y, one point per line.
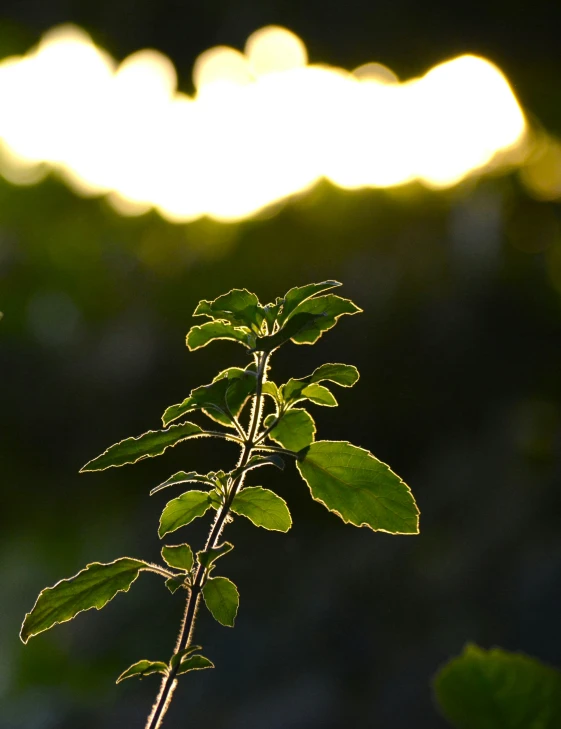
263	125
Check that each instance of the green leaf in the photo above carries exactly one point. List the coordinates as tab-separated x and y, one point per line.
239	307
207	557
143	668
495	689
319	395
193	663
182	510
222	400
341	374
178	657
263	507
269	388
174	583
150	444
183	477
200	336
358	487
222	599
328	309
179	556
299	322
299	294
93	587
294	431
257	461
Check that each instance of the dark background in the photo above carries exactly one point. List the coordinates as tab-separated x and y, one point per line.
460	354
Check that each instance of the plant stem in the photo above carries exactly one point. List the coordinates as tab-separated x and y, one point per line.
188	624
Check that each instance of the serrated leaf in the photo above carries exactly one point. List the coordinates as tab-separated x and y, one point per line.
174	584
299	294
200	336
179	556
263	507
92	587
183	477
358	487
150	444
294	431
143	668
178	657
487	689
239	307
194	663
209	556
222	599
328	309
182	510
271	312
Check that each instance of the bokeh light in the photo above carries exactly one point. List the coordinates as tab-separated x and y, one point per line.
262	125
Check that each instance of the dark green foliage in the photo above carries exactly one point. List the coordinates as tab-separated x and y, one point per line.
498	690
348	480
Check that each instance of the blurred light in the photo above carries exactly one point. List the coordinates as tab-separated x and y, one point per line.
262	126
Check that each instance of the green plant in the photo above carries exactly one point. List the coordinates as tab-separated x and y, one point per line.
348	480
498	690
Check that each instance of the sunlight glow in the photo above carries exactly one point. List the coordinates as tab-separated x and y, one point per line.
262	125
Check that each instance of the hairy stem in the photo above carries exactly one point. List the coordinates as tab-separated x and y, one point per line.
188	623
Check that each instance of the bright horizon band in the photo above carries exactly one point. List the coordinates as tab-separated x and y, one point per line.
263	125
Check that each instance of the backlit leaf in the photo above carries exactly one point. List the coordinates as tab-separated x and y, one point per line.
294	431
341	374
263	507
93	587
358	487
299	294
183	477
200	336
487	689
319	395
328	309
179	556
144	668
150	444
193	663
174	583
182	510
222	599
209	556
239	307
299	322
181	655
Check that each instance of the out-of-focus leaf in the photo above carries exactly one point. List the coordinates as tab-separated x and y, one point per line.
358	487
498	690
